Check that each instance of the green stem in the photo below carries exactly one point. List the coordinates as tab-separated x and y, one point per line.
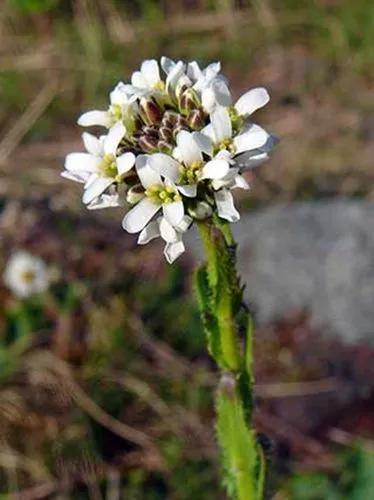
220	299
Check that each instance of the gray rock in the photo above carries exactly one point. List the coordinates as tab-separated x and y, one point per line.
318	256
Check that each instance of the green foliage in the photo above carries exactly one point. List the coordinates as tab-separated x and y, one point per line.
355	480
34	6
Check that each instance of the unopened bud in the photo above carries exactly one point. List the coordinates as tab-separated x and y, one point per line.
147	143
150	111
165	147
183	84
202	210
196	119
166	133
150	130
169	119
188	101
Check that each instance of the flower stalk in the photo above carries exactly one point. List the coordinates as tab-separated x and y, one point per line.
225	318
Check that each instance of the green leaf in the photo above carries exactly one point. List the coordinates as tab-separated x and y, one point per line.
237	442
208	318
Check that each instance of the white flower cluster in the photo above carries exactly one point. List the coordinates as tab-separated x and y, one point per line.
26	275
174	150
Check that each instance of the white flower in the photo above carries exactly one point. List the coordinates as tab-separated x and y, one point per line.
159	194
146	81
26	275
122	108
100	167
189	166
172	235
207	82
220	133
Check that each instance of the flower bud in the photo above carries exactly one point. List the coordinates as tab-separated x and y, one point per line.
183	84
169	119
202	210
150	130
147	143
196	119
166	133
165	147
188	101
150	111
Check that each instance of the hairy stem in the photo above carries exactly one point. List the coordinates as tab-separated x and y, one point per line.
224	317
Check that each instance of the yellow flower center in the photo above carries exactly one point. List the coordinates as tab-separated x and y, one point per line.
162	194
226	144
190	174
28	276
115	111
160	86
108	167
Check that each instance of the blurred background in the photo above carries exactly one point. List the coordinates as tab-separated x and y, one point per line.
105	388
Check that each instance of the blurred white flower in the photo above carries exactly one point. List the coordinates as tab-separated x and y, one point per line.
26	275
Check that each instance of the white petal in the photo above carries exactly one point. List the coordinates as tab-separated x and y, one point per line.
225	155
104	201
221	124
184	224
204	141
90	118
215	169
92	144
174	75
251	101
221	92
165	165
125	162
168	233
188	190
240	182
119	94
96	188
248	160
167	64
173	250
77	177
253	138
212	69
138	80
225	206
139	216
188	148
150	232
113	138
150	72
208	100
82	162
193	71
173	212
147	175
